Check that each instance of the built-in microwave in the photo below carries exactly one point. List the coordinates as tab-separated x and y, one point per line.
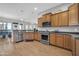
46	24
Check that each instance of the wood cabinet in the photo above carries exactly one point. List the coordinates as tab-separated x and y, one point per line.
37	36
44	18
74	14
73	47
68	42
54	20
60	19
40	22
77	47
64	18
53	39
61	40
47	17
28	36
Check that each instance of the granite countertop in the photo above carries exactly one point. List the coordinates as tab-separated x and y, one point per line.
73	34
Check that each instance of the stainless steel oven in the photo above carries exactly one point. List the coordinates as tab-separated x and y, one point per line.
44	37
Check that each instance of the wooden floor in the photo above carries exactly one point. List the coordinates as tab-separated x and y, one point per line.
34	48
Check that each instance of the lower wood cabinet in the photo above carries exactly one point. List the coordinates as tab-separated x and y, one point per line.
77	47
68	42
61	40
37	36
73	47
53	39
28	36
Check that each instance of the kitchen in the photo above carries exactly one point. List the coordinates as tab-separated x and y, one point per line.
55	27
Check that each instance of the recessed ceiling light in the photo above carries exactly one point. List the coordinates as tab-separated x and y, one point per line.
0	22
35	8
21	19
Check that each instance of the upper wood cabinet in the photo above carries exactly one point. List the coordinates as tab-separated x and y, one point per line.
60	19
75	49
54	20
63	18
40	22
47	17
74	14
44	18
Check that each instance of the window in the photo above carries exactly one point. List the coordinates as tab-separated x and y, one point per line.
9	26
20	27
5	26
26	27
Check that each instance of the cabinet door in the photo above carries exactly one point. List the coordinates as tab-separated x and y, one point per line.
77	47
40	22
73	46
64	18
39	36
73	15
60	40
36	35
67	42
54	20
52	39
60	19
44	18
28	36
32	35
48	17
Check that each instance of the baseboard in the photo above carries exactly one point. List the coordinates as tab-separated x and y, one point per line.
19	41
60	47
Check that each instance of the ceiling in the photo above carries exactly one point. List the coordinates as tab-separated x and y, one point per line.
24	11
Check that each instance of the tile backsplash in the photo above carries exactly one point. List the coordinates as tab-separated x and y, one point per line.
65	29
